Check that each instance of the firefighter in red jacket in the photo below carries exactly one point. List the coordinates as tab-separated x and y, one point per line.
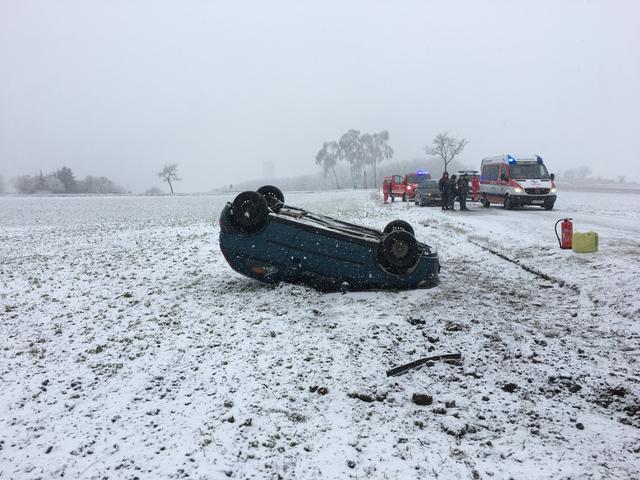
475	188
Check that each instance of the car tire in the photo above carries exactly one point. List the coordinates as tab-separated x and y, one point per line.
485	201
399	225
404	197
249	212
399	251
273	196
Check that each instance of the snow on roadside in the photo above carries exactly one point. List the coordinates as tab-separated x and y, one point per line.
131	349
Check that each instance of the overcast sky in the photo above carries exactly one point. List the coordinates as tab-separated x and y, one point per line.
118	88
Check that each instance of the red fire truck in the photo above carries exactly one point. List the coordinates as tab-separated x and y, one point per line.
403	187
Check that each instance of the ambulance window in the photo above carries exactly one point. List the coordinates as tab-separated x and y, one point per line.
491	172
398	179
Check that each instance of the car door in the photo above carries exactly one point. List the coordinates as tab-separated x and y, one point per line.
398	185
488	180
504	172
326	256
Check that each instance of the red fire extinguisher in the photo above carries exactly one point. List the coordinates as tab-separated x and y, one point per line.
566	228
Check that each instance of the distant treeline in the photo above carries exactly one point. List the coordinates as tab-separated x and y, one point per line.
319	181
582	174
63	181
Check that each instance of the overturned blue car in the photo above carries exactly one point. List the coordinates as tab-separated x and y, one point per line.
265	239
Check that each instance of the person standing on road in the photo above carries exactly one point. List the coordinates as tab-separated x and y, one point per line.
463	189
453	191
443	185
475	188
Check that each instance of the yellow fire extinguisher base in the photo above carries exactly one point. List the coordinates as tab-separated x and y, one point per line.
585	242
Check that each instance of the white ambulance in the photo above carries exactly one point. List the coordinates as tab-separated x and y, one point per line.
516	181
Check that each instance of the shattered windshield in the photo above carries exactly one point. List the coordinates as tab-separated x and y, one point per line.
529	170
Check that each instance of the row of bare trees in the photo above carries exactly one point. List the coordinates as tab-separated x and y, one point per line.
360	150
367	150
64	181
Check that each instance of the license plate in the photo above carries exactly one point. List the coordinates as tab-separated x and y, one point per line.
537	202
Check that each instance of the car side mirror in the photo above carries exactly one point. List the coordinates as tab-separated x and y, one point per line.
552	176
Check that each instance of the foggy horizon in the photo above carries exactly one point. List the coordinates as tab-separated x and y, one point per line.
228	91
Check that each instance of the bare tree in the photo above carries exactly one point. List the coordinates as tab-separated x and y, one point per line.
169	173
379	151
446	147
327	157
369	153
351	150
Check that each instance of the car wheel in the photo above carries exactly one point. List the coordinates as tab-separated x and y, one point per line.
485	202
399	225
404	197
249	211
399	251
273	196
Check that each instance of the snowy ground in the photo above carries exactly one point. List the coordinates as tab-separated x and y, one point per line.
131	350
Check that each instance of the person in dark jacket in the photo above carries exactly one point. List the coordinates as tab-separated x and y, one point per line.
463	189
443	185
453	191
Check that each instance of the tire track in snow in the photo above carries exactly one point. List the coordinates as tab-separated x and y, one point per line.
525	267
473	239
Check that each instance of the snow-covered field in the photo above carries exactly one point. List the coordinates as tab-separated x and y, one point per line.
129	349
